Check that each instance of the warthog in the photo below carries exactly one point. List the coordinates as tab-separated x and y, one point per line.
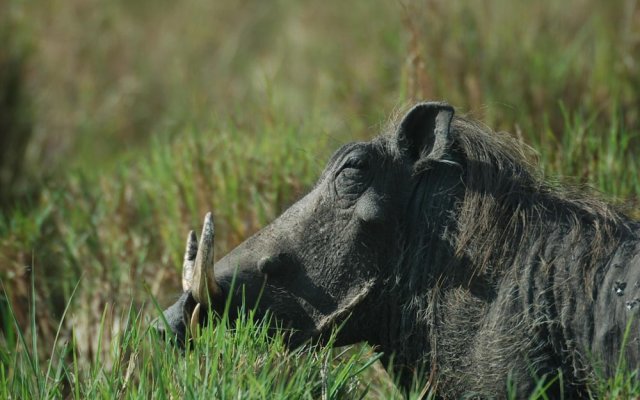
440	245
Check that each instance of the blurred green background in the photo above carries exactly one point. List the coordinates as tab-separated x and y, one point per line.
123	122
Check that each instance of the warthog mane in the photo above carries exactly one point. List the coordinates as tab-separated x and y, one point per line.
484	214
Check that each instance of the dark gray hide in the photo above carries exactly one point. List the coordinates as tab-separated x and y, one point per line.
439	245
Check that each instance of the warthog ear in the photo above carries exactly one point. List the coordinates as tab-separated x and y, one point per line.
424	132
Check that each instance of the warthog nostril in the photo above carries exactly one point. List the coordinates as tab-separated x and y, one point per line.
160	330
165	333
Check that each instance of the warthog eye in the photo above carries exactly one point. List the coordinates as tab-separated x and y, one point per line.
353	178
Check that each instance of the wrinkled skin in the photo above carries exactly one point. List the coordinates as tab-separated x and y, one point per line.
320	261
372	247
325	260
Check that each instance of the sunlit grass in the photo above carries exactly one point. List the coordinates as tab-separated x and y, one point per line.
243	359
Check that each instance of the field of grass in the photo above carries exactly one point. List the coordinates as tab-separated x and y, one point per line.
122	123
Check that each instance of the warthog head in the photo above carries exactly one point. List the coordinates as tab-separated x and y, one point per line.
441	246
329	259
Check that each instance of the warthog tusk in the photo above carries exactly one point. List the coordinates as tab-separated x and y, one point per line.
195	321
189	261
204	284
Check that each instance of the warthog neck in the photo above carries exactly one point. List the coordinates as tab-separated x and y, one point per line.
558	303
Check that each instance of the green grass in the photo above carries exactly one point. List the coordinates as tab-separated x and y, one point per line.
239	360
145	115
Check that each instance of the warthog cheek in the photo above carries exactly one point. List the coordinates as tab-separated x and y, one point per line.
368	208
